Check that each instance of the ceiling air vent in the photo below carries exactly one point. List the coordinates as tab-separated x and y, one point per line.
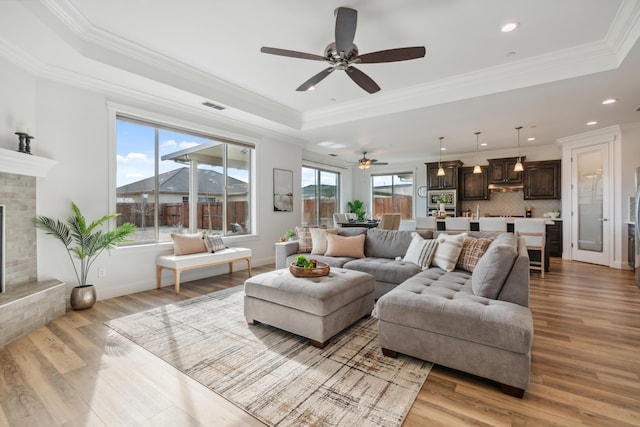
212	105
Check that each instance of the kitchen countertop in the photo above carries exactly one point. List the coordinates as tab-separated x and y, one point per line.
511	219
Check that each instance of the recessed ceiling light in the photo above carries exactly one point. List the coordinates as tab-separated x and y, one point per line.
591	123
531	139
443	149
484	144
609	101
509	27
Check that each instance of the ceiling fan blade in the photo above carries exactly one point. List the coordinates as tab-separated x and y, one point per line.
346	21
379	163
391	55
362	80
315	79
291	53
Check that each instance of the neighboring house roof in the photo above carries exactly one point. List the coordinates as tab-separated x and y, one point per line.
177	181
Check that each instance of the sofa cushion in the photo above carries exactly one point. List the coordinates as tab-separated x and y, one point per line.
492	269
472	250
185	244
345	246
448	251
319	240
420	251
384	269
390	243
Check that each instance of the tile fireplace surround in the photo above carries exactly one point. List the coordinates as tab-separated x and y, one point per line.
25	302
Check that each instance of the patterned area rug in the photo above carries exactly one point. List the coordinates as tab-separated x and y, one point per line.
276	376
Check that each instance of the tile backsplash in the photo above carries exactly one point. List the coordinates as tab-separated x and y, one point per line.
510	204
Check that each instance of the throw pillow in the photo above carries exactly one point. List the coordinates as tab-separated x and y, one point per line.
305	243
213	242
472	250
420	251
492	270
448	250
319	240
185	244
352	247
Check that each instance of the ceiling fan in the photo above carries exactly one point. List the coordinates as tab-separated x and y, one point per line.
365	163
343	53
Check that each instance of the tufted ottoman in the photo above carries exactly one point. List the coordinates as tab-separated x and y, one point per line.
316	308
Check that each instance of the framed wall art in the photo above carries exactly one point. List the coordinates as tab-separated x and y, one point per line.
282	190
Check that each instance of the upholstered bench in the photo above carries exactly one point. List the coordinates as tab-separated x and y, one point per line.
316	308
180	263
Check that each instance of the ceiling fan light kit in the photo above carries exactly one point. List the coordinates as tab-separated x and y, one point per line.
518	167
343	53
365	163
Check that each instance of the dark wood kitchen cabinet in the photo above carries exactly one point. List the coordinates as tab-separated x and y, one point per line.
473	186
501	171
542	180
447	182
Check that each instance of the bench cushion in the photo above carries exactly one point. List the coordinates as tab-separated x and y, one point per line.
194	260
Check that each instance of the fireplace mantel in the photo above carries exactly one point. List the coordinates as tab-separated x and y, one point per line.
24	164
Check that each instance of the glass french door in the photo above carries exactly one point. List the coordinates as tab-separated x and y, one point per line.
590	204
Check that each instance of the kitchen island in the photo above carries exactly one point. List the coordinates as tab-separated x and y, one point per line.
553	244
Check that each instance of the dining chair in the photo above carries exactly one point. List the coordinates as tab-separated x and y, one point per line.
426	223
338	218
534	232
493	224
388	221
457	224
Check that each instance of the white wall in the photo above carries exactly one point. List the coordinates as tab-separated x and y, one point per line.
73	128
17	104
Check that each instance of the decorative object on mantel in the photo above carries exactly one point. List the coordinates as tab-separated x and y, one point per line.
477	168
24	142
89	244
518	167
440	169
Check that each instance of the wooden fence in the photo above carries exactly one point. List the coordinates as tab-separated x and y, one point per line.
210	214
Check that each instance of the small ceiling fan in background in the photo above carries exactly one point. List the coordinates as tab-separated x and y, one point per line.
343	53
365	163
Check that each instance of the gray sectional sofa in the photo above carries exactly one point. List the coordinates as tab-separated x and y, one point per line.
477	322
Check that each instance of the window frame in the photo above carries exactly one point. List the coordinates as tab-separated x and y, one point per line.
318	172
188	127
393	196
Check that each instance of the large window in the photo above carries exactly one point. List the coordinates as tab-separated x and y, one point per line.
170	180
320	190
392	194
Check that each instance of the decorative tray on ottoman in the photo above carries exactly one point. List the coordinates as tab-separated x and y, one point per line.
321	269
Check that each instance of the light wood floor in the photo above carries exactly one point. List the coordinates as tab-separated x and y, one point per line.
585	366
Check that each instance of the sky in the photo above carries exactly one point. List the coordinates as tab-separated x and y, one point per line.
135	152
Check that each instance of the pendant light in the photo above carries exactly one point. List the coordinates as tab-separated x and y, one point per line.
440	168
518	167
477	168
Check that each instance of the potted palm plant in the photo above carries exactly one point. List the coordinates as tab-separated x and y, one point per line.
84	243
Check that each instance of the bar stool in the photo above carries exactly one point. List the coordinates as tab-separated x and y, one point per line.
493	224
426	223
457	224
534	232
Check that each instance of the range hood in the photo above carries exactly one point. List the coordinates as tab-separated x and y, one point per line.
505	188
